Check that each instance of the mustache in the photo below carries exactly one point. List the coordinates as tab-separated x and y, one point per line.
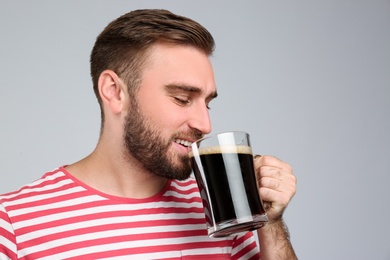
192	134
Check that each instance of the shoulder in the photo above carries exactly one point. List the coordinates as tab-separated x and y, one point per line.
34	191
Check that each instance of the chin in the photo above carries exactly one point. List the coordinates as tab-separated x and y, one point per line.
179	175
183	177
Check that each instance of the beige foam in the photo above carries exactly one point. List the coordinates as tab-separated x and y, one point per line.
223	149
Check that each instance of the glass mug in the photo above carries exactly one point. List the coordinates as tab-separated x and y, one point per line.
224	170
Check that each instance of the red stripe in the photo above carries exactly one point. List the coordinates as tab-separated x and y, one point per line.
94	204
7	235
184	191
215	256
246	250
46	200
240	240
185	183
3	232
103	215
177	199
156	249
130	251
257	256
116	226
7	252
20	194
169	205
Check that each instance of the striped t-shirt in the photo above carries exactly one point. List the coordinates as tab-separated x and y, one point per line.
59	217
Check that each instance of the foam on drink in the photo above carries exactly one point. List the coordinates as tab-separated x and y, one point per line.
242	149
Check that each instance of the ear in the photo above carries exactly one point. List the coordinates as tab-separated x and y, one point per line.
112	91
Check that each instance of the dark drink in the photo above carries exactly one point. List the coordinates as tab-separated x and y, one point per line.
228	188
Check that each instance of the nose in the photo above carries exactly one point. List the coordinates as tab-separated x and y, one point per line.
200	119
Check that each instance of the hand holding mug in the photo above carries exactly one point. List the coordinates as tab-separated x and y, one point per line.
277	184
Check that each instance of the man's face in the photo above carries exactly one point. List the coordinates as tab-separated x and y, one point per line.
170	110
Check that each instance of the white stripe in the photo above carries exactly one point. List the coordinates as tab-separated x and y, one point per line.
94	210
115	220
32	187
69	202
177	254
130	244
8	244
4	257
4	241
211	250
180	195
117	233
187	186
245	243
97	248
250	254
6	225
60	204
158	255
36	198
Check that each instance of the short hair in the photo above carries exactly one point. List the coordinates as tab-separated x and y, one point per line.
122	46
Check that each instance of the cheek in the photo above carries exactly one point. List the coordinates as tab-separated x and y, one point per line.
161	112
170	119
165	117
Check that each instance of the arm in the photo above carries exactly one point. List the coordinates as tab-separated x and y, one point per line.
277	186
275	242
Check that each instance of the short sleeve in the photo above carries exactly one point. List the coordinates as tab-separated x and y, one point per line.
7	236
245	247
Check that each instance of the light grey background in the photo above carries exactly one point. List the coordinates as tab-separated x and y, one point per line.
310	80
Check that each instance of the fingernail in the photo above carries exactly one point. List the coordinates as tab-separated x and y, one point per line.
255	156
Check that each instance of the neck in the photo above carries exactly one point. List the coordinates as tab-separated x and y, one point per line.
108	171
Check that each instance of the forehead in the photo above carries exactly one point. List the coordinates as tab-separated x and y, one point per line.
171	64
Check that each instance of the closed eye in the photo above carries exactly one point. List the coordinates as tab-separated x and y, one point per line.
182	101
182	94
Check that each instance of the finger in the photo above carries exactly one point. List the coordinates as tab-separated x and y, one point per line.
282	188
277	199
270	183
267	160
268	171
287	183
287	178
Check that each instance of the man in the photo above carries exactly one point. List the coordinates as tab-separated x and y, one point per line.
133	196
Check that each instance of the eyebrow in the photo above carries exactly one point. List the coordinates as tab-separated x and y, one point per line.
190	89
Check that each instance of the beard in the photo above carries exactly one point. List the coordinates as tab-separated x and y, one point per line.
144	142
